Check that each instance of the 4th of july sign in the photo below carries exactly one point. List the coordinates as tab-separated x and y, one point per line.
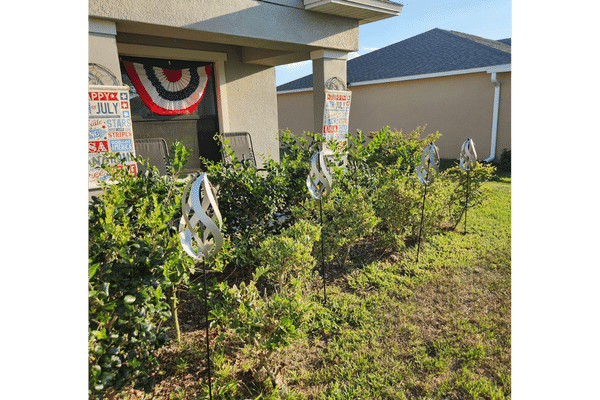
110	129
335	117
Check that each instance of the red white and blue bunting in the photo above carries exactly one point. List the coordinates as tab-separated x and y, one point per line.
169	92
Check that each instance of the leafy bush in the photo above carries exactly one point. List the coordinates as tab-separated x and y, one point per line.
387	149
384	167
505	164
398	203
269	322
287	256
477	194
347	218
263	323
134	259
255	204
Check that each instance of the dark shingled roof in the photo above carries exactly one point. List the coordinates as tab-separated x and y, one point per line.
505	41
430	52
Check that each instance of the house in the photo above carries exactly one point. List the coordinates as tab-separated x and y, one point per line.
456	83
216	59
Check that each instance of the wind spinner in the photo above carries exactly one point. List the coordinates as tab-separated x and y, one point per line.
319	183
468	162
426	171
200	234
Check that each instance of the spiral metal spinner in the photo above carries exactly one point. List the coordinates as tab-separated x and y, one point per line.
196	225
426	171
468	155
468	162
195	228
318	180
319	183
430	159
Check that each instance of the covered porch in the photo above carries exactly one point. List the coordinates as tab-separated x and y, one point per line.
242	41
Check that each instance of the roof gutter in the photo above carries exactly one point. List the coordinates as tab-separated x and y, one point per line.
309	89
493	71
494	119
499	68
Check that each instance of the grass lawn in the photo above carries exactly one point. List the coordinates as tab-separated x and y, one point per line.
439	329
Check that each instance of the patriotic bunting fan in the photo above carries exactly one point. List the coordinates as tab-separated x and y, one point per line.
167	91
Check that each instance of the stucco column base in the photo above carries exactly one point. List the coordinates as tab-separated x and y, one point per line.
326	64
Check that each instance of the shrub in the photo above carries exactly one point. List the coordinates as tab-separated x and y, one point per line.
505	164
477	193
134	257
256	204
385	168
287	257
388	149
262	323
267	323
347	218
398	203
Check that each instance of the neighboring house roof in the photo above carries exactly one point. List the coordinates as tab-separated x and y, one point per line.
430	52
505	41
492	43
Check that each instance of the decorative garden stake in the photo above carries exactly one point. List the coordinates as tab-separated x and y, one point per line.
468	161
199	221
319	182
429	158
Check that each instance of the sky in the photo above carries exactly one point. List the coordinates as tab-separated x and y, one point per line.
490	19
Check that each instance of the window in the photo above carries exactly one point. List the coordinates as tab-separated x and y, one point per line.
195	130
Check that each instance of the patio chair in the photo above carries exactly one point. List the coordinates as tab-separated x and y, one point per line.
156	150
241	144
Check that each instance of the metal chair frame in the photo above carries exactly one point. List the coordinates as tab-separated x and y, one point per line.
156	150
241	144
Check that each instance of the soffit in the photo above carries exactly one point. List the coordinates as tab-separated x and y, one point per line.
253	51
363	10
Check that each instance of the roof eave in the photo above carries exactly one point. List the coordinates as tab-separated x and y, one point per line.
499	68
364	11
488	69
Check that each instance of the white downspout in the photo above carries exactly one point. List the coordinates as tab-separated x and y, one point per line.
494	118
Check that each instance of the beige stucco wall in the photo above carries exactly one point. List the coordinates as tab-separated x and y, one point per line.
295	112
252	104
459	107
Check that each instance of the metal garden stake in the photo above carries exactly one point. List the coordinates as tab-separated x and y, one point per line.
468	161
429	158
199	221
319	182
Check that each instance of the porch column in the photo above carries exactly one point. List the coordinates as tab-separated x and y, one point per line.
102	51
326	64
102	47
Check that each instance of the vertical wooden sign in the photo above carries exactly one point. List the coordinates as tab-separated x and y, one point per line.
110	129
